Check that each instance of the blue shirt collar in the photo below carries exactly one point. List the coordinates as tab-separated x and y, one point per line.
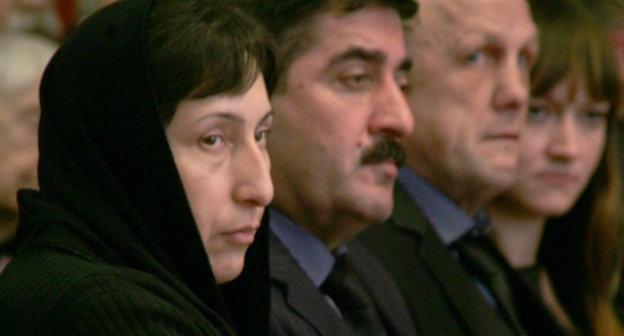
447	219
311	254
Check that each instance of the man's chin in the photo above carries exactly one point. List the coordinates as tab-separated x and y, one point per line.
376	212
505	162
500	179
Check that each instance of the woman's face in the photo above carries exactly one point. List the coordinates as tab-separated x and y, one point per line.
219	147
561	145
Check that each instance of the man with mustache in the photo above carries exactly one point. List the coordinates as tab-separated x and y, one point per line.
339	114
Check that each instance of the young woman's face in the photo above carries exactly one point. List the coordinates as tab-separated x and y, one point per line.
560	147
219	147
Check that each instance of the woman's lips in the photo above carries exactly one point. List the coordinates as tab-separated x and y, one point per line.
242	236
557	178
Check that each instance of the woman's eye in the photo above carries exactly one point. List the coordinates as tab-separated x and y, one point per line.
595	117
261	137
537	112
213	141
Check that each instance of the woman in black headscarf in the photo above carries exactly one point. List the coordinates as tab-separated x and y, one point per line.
154	175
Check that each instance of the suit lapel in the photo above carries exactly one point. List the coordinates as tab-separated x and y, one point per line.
300	294
451	278
383	290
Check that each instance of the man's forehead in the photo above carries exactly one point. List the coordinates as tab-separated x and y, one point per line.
488	19
371	34
358	53
461	22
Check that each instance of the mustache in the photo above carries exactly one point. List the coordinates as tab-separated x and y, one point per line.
385	149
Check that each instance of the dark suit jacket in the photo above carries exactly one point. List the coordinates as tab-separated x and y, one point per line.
442	298
299	308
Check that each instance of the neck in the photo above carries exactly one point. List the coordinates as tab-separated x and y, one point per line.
337	231
470	206
470	196
331	230
517	235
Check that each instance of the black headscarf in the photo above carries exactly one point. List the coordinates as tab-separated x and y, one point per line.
106	171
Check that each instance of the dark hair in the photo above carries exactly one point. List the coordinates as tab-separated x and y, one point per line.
608	12
197	50
292	22
585	244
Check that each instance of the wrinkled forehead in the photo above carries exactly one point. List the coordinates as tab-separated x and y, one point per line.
485	12
450	22
375	29
373	34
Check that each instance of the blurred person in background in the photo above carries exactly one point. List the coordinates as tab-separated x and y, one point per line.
23	58
33	16
5	8
560	224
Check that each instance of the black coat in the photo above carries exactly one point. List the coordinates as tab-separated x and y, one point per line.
109	245
441	296
299	308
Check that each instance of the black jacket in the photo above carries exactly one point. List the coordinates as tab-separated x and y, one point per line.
299	308
441	296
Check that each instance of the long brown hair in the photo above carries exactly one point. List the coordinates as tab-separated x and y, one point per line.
586	243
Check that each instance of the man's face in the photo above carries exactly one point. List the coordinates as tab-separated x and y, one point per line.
338	100
468	93
19	121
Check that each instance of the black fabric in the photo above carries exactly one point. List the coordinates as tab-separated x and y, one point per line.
299	308
442	298
345	288
618	303
110	239
620	147
530	275
515	299
561	249
485	267
8	247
